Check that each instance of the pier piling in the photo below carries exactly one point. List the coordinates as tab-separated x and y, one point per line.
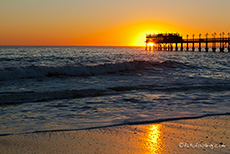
199	43
181	47
193	44
187	43
206	46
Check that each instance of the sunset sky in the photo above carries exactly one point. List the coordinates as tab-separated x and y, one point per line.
106	22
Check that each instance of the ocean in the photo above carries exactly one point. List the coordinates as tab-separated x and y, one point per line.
71	88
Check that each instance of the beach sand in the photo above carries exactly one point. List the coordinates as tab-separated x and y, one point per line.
204	135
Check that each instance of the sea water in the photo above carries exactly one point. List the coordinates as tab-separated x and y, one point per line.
64	88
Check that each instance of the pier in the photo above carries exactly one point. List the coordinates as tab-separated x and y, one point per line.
175	42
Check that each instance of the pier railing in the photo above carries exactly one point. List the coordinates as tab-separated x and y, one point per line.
203	40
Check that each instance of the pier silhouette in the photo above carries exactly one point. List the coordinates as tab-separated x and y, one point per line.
171	42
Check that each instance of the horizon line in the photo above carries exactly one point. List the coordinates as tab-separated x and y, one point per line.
66	46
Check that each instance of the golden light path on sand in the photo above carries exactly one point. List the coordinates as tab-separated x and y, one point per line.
154	139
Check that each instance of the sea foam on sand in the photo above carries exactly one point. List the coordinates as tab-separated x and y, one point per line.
204	135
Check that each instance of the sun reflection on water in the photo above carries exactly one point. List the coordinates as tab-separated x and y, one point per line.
154	139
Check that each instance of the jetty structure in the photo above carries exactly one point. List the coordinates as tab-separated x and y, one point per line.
175	42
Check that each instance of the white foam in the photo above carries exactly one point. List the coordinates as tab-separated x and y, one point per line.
46	71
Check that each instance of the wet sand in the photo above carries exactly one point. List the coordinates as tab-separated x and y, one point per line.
204	135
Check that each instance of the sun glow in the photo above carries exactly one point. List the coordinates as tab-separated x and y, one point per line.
150	44
139	30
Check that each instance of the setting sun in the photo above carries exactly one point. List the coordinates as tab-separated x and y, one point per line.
150	44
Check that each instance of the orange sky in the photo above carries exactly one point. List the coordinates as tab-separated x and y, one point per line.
106	22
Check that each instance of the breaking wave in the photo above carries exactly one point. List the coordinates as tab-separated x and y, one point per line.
33	71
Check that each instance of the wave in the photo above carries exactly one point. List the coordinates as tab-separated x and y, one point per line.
12	73
15	98
127	123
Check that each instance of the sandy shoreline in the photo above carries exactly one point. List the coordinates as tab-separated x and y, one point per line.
204	135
